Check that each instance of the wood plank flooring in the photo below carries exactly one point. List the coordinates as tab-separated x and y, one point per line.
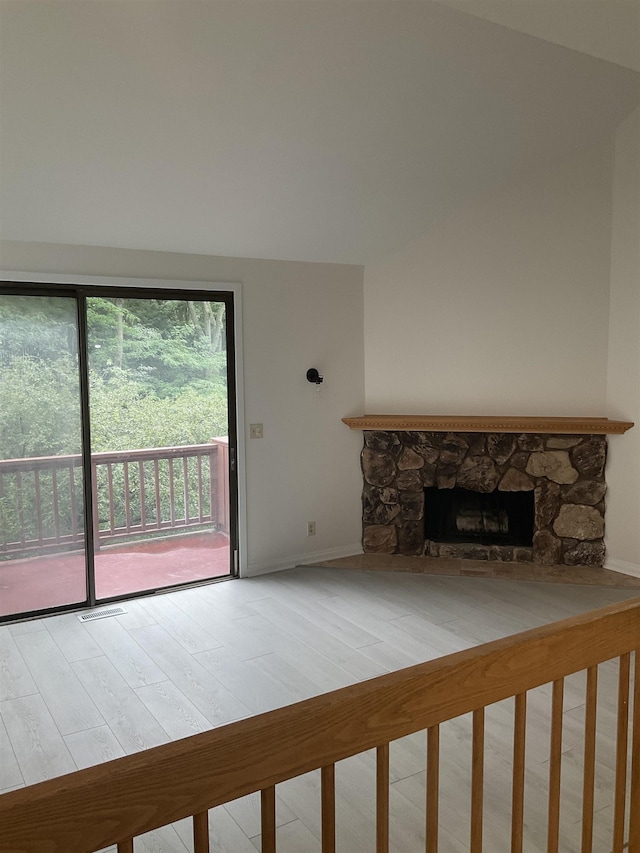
75	694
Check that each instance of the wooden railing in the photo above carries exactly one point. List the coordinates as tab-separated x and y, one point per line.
114	802
134	492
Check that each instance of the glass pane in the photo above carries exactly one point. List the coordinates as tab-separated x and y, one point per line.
158	403
42	541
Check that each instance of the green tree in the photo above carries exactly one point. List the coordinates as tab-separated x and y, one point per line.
40	411
125	416
166	344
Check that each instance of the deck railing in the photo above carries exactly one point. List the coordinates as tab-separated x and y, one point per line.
115	802
135	492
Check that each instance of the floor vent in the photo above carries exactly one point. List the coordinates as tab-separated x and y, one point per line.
101	614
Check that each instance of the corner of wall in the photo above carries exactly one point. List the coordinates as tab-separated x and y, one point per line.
623	354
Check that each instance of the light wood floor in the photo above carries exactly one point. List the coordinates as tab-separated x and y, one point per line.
77	694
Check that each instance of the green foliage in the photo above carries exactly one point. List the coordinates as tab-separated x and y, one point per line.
124	416
164	344
37	327
40	411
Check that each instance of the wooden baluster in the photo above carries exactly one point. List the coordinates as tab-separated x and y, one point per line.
72	492
477	781
226	486
143	508
127	502
172	504
433	789
555	761
213	490
20	506
589	758
95	509
125	846
185	474
36	476
634	811
200	494
622	743
268	819
201	832
55	503
328	780
112	507
519	749
156	484
382	799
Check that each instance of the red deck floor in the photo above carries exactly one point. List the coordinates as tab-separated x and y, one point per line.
38	583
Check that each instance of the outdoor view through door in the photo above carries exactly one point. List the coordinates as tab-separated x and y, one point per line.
155	374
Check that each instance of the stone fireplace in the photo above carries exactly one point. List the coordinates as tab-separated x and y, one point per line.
563	474
525	489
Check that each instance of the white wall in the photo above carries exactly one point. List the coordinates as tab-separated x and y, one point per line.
295	316
503	308
623	377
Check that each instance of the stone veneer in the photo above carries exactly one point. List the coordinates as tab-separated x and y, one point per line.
565	472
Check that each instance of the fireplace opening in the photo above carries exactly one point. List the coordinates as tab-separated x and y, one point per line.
496	518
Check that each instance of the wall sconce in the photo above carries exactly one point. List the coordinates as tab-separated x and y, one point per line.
314	377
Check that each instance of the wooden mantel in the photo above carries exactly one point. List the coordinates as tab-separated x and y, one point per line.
476	423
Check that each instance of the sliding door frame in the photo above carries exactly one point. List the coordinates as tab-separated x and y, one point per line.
82	287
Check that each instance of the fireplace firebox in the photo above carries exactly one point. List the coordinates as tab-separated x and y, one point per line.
498	518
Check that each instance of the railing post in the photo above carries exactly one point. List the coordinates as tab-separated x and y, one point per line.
268	819
72	490
433	789
20	506
328	797
591	707
382	799
555	760
94	501
477	782
634	811
519	755
222	477
201	832
622	746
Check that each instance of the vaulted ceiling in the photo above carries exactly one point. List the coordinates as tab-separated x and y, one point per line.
608	29
322	130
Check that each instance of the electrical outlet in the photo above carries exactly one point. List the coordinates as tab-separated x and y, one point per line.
311	528
255	431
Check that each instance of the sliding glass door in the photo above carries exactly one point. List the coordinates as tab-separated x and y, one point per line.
42	512
134	391
158	400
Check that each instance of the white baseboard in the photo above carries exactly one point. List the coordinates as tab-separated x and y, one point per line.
623	566
309	559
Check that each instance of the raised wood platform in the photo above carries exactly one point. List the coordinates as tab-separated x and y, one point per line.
456	567
476	423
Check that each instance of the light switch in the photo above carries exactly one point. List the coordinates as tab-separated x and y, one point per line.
255	430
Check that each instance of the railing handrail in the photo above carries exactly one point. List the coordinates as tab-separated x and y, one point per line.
111	802
153	452
28	463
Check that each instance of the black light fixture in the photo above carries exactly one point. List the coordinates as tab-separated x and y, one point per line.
314	377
